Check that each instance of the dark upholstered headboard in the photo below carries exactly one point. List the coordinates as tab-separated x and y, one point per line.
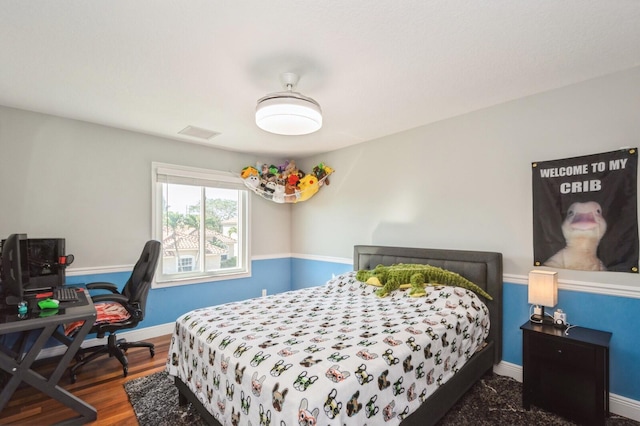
482	268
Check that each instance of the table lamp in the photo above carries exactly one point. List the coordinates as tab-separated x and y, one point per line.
543	291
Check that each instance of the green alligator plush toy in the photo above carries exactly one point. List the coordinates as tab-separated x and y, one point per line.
415	276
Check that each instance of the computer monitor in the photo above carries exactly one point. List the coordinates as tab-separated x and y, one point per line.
45	269
15	271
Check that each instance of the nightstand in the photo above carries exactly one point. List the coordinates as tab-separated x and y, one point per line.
566	374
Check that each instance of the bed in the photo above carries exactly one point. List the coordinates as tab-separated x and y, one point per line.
338	354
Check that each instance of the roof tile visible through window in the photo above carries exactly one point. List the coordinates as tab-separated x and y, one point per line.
188	239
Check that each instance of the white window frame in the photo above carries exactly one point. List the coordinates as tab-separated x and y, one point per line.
170	173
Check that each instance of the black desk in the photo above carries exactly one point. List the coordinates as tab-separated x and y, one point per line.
18	359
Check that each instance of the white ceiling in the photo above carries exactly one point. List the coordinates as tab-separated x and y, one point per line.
376	67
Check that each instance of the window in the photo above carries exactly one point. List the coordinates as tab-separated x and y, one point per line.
185	263
201	218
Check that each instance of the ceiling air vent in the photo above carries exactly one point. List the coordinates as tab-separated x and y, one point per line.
199	133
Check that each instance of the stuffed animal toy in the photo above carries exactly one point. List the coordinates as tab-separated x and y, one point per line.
248	171
321	172
307	187
262	168
252	181
289	193
268	188
390	278
290	168
293	179
282	167
285	183
278	194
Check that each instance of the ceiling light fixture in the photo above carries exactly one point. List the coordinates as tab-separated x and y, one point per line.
288	113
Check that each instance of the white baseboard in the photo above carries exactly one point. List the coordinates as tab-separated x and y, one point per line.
508	369
619	405
626	407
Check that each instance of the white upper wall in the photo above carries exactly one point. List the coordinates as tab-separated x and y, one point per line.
462	183
91	184
465	183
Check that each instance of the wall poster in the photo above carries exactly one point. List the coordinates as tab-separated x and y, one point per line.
585	212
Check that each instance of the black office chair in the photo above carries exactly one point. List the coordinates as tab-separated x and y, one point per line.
133	298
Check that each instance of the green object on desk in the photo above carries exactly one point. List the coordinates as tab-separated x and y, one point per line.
48	312
48	304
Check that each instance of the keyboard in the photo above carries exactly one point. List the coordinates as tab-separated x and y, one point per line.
65	294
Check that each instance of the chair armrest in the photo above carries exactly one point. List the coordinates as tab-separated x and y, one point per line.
119	298
103	286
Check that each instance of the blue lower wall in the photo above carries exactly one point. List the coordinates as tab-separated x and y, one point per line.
619	315
309	273
164	305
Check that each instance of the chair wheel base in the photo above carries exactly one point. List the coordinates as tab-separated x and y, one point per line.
114	348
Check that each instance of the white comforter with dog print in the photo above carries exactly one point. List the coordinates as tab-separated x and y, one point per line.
335	354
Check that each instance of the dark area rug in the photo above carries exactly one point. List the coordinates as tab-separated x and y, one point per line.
494	400
497	400
155	401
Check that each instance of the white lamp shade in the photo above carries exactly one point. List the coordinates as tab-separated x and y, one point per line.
285	115
543	288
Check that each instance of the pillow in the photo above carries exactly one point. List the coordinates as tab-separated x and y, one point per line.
348	281
106	312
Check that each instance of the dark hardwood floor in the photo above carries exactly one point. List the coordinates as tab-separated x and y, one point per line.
99	383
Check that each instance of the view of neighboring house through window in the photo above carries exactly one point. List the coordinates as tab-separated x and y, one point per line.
201	217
